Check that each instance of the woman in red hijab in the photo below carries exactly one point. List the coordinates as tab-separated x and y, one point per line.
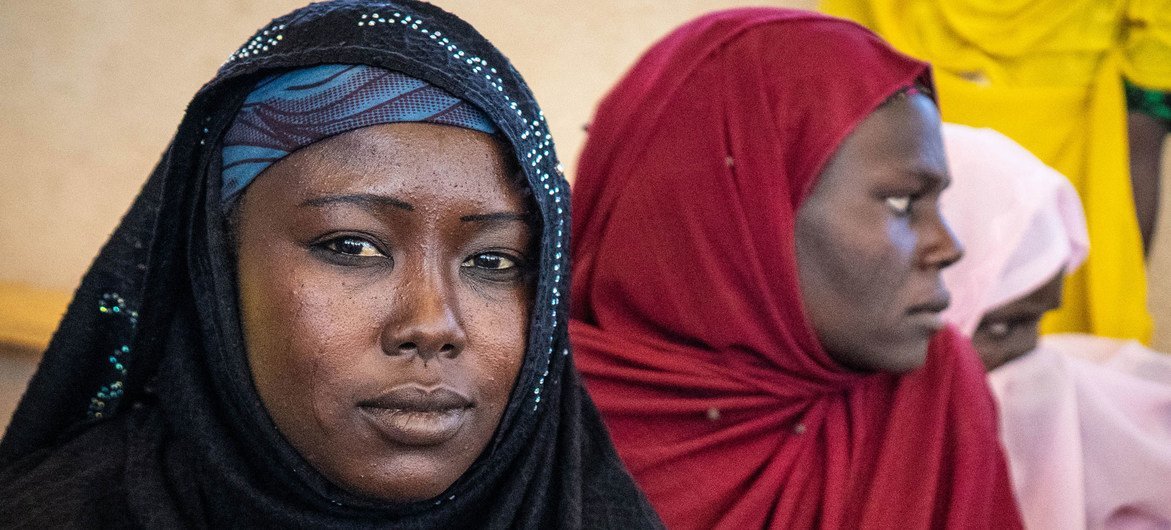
756	293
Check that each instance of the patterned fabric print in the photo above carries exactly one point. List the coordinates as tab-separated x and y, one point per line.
1154	103
291	110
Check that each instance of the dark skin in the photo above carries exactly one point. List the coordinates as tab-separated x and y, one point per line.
1146	135
1010	331
385	296
871	241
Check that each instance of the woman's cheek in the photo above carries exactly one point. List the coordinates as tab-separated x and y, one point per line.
501	335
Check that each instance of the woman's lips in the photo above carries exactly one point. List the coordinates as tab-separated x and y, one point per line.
928	321
417	416
928	314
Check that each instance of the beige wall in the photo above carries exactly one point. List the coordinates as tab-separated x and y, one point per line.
91	91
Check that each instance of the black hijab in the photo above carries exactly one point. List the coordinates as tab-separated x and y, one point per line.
143	411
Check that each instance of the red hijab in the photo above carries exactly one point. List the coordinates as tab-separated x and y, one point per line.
688	322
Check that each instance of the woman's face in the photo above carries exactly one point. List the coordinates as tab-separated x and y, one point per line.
871	242
385	294
1010	331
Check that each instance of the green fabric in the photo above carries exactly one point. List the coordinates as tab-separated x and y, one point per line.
1154	103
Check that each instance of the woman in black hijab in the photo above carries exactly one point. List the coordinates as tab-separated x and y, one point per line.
202	375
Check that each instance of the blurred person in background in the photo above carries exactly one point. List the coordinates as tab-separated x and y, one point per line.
1085	420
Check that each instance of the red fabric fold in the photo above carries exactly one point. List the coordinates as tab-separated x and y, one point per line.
688	323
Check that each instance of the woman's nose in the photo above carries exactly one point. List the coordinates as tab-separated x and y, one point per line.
941	249
426	322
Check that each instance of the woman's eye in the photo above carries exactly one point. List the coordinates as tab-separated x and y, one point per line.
899	204
1002	329
490	261
998	329
353	246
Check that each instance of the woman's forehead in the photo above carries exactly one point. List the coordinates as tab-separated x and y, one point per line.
408	161
899	144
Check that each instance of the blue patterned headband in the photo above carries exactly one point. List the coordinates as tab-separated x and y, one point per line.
291	110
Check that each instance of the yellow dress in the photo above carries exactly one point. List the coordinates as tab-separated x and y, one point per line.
1048	74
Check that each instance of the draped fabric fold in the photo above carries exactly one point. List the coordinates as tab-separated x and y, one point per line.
687	315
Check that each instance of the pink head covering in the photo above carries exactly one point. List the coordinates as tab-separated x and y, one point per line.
1085	421
1019	220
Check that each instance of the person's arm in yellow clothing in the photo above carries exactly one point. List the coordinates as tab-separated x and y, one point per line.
1147	67
1148	123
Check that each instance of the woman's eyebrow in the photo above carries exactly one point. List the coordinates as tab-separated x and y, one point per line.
496	217
364	200
932	178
